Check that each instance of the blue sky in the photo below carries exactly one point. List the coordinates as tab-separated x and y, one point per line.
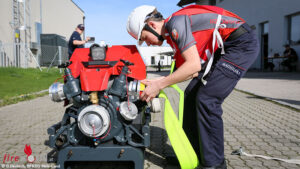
106	19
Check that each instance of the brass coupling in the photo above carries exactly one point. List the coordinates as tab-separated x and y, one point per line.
94	97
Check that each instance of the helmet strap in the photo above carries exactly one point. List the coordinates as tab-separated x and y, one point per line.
148	28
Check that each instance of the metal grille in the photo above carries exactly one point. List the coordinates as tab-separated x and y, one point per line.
37	55
53	55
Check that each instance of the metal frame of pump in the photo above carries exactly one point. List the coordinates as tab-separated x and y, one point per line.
65	134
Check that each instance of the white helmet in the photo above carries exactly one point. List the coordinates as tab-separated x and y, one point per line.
136	21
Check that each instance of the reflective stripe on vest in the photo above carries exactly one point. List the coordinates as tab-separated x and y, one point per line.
216	36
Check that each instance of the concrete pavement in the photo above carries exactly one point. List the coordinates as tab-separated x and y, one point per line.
281	87
257	125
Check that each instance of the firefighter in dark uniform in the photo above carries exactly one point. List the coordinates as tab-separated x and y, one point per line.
76	41
213	46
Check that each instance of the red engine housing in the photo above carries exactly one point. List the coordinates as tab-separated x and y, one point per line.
96	78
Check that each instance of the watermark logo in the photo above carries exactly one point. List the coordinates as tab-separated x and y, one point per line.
27	150
16	161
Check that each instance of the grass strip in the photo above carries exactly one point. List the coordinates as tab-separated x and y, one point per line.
19	84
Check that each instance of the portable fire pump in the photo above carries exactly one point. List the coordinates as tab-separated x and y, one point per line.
105	122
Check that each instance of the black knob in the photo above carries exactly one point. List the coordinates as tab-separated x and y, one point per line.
126	62
64	65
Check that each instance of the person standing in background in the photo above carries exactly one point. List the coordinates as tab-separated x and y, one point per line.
75	40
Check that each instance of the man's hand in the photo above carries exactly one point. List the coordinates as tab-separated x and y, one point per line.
152	88
87	39
82	42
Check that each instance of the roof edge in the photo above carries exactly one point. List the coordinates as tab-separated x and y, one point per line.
77	6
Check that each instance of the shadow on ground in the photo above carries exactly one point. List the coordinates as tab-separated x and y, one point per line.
273	75
157	153
292	102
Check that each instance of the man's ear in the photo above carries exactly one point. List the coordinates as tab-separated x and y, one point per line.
152	24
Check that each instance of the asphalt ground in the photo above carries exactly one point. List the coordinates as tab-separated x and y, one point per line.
254	123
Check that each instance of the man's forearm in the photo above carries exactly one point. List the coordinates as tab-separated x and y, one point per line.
192	76
184	72
79	42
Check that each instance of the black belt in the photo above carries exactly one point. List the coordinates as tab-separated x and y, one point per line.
237	33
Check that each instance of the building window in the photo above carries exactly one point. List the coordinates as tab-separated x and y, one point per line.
162	57
264	27
293	29
152	60
38	31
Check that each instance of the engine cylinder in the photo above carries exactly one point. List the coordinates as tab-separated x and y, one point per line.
56	92
135	89
93	120
128	110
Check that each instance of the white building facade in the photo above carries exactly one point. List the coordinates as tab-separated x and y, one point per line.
22	22
154	54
